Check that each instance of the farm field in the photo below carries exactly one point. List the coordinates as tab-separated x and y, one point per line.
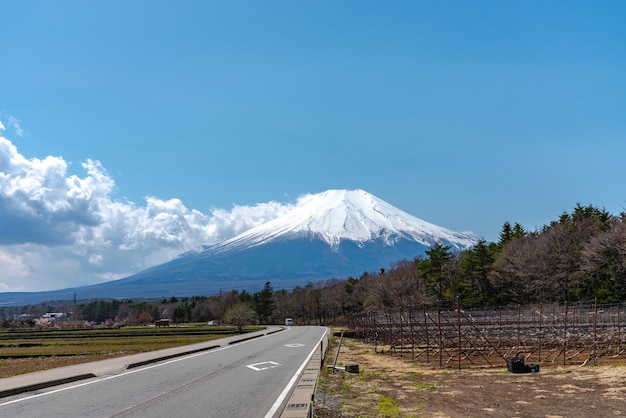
25	351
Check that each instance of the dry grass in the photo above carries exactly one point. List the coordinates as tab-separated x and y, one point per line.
394	387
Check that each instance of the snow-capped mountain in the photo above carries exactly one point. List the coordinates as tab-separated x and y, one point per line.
345	215
334	234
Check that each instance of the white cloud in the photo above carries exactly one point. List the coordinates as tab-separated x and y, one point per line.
13	265
59	230
228	223
13	122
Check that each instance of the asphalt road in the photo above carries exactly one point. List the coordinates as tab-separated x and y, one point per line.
248	379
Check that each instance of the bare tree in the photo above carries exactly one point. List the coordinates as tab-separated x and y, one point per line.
519	273
144	317
240	315
603	262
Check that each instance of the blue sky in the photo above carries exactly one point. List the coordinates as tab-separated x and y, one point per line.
137	130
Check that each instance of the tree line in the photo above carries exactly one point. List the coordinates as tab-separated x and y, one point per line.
578	258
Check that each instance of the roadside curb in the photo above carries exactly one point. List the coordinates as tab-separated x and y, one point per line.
300	403
43	385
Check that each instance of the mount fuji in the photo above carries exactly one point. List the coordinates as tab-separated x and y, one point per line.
334	234
339	216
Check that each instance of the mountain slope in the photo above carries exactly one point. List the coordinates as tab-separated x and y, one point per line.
334	234
338	215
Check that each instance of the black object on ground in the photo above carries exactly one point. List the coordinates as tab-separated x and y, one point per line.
516	364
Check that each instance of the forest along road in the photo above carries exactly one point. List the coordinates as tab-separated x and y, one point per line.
248	379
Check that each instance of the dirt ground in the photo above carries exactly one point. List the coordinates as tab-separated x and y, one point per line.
389	386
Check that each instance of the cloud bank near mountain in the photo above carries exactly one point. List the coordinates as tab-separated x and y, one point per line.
59	229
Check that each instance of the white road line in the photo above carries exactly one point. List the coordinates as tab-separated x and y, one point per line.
292	382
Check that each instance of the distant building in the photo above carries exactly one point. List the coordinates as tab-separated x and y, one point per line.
54	316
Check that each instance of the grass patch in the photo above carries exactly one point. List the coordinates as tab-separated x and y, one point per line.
368	376
425	386
388	407
344	386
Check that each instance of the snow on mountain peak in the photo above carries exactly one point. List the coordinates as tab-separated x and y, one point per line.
337	215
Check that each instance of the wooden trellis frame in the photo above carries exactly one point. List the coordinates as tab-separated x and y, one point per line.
542	334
